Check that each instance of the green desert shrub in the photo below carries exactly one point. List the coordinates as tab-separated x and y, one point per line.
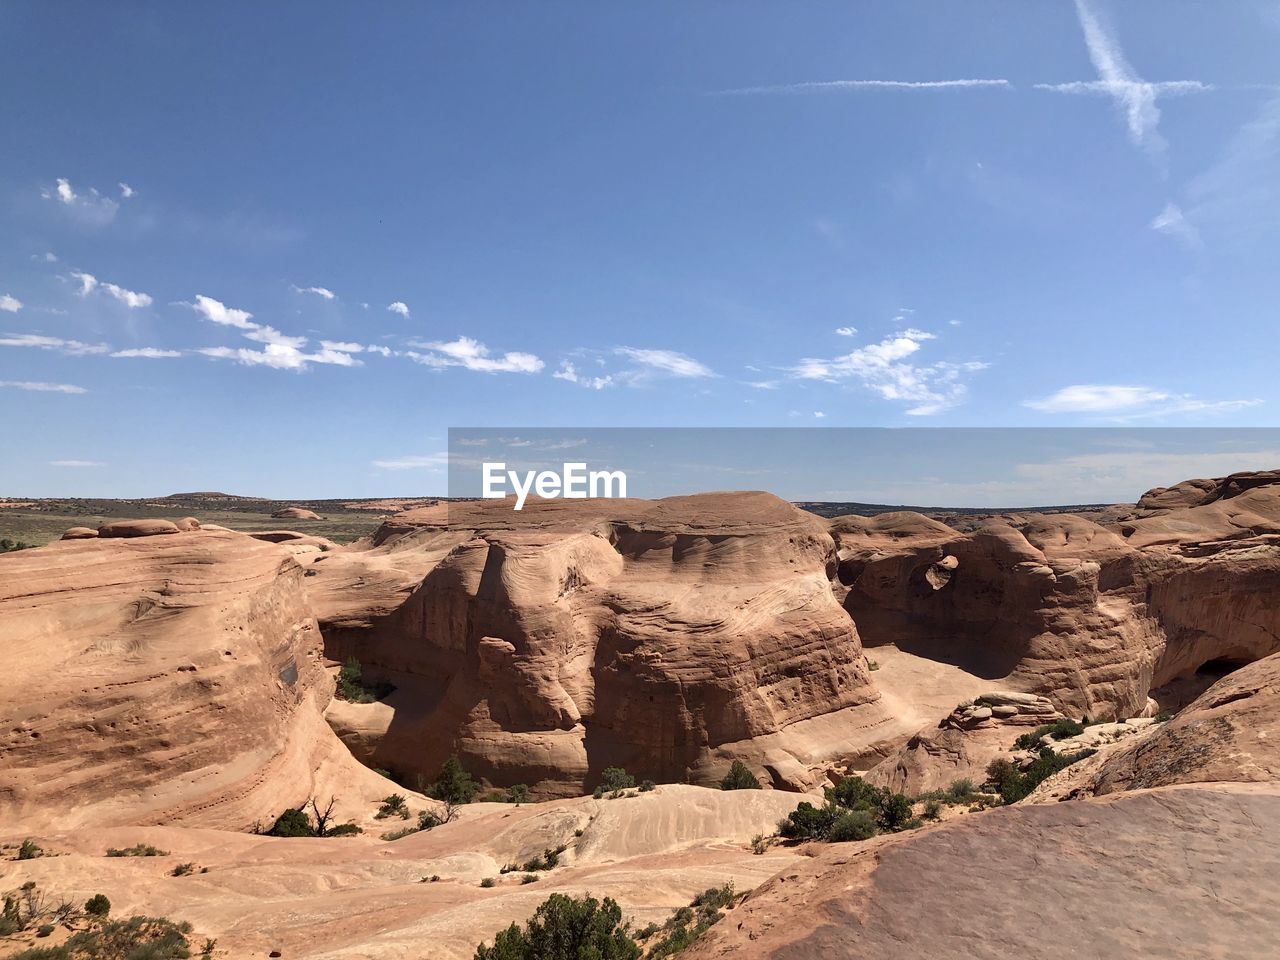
137	938
394	805
1013	784
807	822
294	822
97	906
852	825
689	923
454	784
884	810
614	779
29	850
1058	730
137	850
566	928
739	777
352	686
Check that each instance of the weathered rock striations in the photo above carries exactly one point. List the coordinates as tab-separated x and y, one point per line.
171	678
665	636
1095	617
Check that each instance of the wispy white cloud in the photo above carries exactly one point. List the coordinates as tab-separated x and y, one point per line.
47	257
126	191
42	387
570	373
87	282
323	292
1133	96
153	353
89	205
10	304
76	463
885	368
215	311
74	348
828	86
1171	221
847	331
1129	401
281	351
399	307
130	298
472	355
666	362
280	356
433	462
1240	190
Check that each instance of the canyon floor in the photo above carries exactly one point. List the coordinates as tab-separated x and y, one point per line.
170	691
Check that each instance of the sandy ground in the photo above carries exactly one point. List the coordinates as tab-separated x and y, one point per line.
361	897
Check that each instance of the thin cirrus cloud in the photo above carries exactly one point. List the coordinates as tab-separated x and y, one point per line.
471	355
280	351
152	353
829	86
89	205
1172	222
38	387
76	463
663	362
1133	96
10	304
73	348
323	292
887	368
1129	401
130	298
434	462
569	373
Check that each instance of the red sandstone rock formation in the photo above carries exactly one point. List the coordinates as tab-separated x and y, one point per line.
663	636
161	679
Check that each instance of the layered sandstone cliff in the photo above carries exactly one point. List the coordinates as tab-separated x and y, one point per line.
161	679
663	636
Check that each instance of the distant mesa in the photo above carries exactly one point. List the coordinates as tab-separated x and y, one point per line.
296	513
207	495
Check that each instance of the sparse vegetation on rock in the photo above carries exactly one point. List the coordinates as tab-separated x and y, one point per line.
1013	784
294	822
854	810
689	923
137	938
566	928
454	784
351	685
137	850
739	777
1058	730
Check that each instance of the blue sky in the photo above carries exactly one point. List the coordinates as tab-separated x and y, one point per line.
607	215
